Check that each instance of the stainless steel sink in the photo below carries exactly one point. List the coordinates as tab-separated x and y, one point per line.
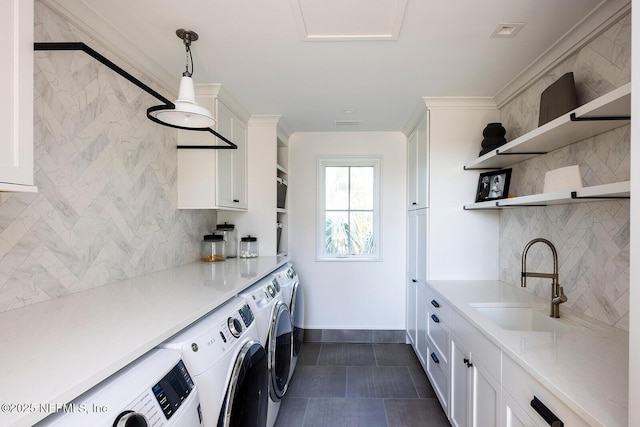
522	317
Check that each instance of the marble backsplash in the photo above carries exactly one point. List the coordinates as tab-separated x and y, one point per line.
592	239
106	206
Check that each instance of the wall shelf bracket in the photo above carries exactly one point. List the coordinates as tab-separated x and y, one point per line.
574	195
573	118
167	104
521	153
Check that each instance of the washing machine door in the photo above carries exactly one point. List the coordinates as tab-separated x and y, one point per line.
246	401
297	317
280	350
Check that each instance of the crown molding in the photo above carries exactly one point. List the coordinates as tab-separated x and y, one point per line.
446	103
598	21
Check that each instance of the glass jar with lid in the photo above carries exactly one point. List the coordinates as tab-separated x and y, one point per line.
248	247
230	234
212	248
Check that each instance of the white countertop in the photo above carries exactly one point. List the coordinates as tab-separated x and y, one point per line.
53	351
586	369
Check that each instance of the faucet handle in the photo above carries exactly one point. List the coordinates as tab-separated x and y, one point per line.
561	297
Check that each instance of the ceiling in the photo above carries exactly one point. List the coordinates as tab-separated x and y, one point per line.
309	60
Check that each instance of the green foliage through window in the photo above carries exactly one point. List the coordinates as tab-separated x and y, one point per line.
349	209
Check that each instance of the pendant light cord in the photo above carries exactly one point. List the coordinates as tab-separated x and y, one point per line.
189	58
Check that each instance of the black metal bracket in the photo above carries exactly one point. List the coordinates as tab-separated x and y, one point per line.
55	46
524	153
488	208
573	118
480	169
574	195
516	205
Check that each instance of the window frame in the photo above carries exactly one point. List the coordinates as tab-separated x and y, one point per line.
349	161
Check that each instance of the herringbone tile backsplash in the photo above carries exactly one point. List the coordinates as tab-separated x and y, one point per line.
106	206
592	239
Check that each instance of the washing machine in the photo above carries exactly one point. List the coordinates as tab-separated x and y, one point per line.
223	353
155	390
291	289
276	334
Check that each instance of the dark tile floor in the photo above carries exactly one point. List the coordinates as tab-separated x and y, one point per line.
359	385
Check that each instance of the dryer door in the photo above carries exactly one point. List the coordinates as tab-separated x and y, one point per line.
297	317
246	400
280	344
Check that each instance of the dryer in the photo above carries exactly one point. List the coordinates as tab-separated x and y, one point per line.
155	390
229	364
276	331
291	289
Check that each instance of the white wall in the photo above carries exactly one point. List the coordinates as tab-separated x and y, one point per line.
339	294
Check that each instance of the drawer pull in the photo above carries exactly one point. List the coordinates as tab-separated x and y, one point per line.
435	358
435	318
414	280
546	413
435	303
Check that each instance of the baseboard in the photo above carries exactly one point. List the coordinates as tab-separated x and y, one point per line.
365	336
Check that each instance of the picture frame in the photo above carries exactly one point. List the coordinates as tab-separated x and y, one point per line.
493	185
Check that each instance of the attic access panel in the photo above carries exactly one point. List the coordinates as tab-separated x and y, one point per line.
337	20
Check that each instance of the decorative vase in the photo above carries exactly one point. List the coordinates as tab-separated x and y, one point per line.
494	130
493	137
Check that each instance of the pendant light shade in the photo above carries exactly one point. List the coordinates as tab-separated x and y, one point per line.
185	113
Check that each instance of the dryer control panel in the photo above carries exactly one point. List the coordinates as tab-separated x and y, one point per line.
173	389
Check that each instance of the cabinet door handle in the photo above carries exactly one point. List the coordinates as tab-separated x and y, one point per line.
546	413
435	303
435	358
467	362
414	280
236	200
435	318
414	203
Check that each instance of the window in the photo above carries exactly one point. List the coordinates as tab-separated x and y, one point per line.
348	203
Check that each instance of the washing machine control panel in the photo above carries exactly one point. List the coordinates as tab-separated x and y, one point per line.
246	314
173	389
276	286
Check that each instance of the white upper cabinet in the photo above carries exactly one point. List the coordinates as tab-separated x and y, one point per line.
214	178
16	112
417	167
231	185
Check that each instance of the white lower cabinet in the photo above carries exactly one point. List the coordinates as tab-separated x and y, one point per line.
436	314
412	304
512	414
476	383
529	403
475	393
438	373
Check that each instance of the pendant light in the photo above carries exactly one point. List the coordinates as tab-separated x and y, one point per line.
185	113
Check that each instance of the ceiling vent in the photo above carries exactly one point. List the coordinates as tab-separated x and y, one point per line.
507	30
343	123
337	20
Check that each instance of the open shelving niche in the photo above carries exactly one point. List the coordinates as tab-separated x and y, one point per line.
281	213
603	114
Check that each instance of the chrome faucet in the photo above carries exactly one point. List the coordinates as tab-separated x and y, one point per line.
557	292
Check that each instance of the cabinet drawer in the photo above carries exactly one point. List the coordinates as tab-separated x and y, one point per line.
438	374
437	305
482	349
523	388
438	333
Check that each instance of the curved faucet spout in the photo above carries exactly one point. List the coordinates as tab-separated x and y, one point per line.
557	293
